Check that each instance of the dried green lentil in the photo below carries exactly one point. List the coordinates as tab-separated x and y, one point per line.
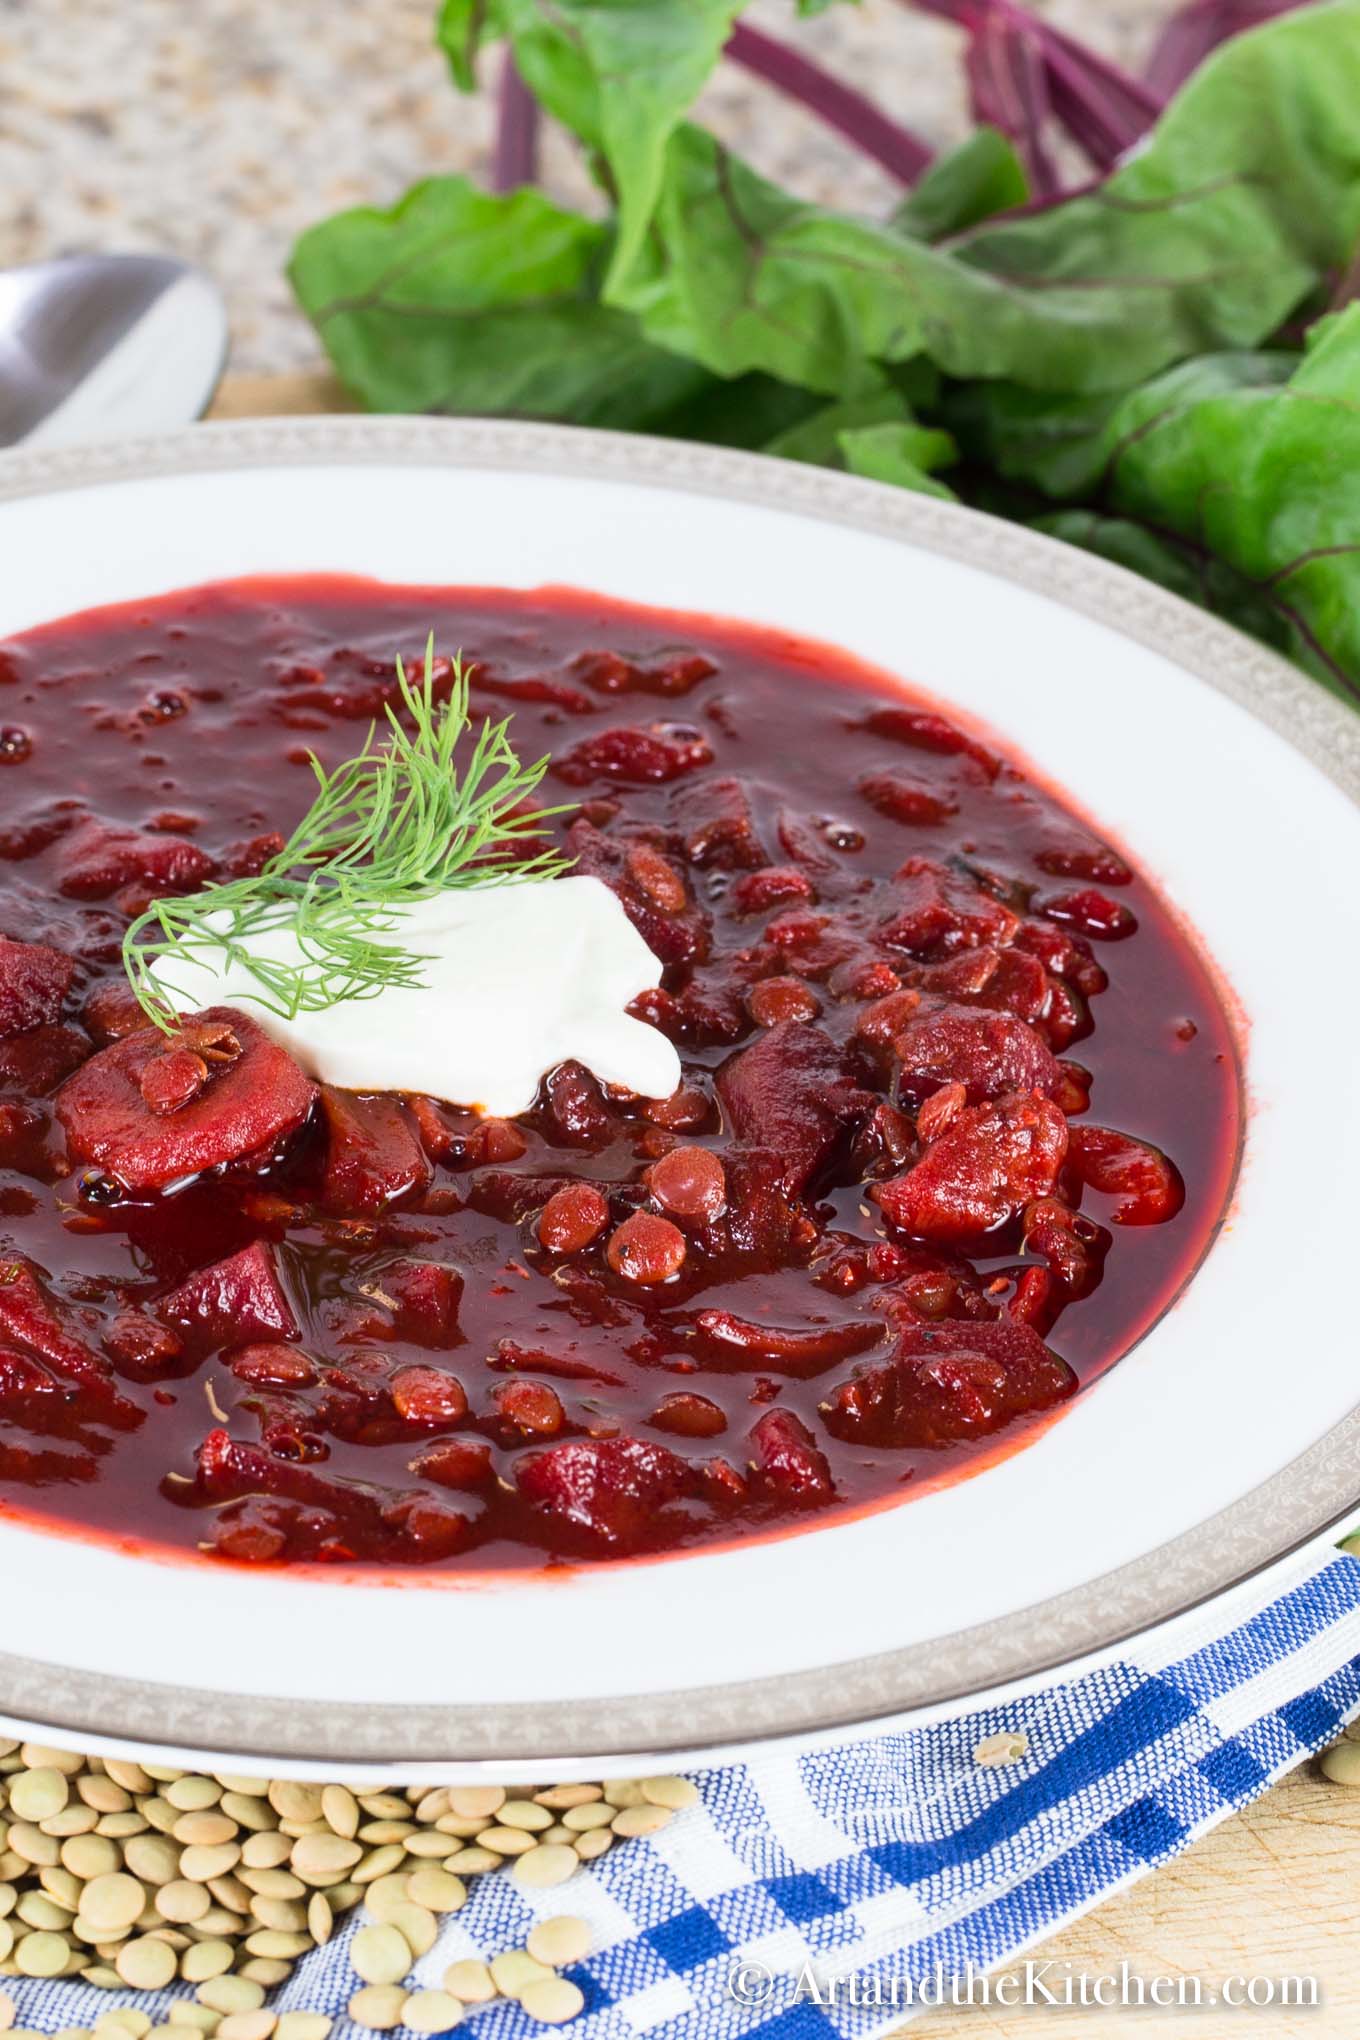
438	1890
1341	1763
380	1954
248	2025
228	1994
560	1941
548	1864
146	1963
554	2002
471	1981
431	2011
303	2026
379	2007
515	1970
41	1954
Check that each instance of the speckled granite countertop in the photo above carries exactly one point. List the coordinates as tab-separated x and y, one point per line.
218	129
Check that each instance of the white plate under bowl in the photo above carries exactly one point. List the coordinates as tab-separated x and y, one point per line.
1226	1439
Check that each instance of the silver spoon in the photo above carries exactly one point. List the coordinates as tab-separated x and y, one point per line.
93	345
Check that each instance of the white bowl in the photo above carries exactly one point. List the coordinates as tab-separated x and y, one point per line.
1225	1440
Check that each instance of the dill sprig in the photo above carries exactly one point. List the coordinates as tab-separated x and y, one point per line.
404	820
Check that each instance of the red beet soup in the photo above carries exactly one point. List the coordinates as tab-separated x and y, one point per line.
959	1111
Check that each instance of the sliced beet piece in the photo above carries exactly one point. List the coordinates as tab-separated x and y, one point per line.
34	982
987	1052
728	1340
1145	1183
248	1106
990	1162
946	1383
793	1090
908	797
608	1489
374	1155
923	730
787	1461
97	860
29	1317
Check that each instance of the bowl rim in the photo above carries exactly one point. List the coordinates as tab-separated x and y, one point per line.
1311	1495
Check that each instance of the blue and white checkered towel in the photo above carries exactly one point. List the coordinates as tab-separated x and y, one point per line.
899	1860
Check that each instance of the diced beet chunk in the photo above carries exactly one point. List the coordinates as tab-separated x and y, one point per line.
237	1301
993	1159
1146	1185
936	911
638	755
413	1300
426	1295
1064	954
987	1052
673	937
373	1152
774	885
787	1461
761	1226
1091	913
908	797
609	1489
795	1091
38	1060
947	1383
247	1107
97	859
1077	855
716	820
923	730
34	982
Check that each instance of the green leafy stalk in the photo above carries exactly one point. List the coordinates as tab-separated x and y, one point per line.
404	820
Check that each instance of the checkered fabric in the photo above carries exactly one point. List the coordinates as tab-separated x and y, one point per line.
899	1857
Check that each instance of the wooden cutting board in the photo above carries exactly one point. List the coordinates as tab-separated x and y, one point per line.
1272	1893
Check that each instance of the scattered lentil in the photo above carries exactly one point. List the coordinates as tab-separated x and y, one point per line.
640	1820
438	1890
559	1942
303	2026
471	1981
1007	1746
516	1969
431	2011
380	1954
553	2002
379	2007
1341	1763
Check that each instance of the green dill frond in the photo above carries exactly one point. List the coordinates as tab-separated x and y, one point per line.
409	817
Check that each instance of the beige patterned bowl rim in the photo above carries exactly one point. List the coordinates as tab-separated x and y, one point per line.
1313	1494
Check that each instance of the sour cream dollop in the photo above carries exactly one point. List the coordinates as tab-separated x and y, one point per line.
518	979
